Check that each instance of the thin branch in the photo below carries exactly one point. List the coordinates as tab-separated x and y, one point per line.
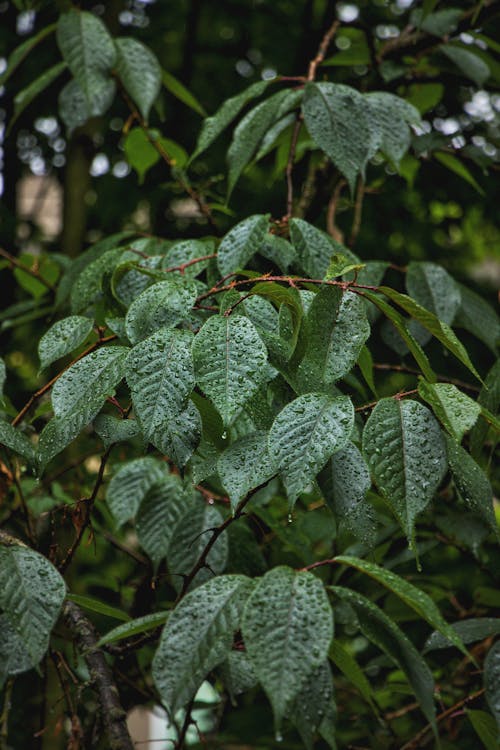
397	396
413	371
289	166
41	391
185	726
331	211
319	564
113	716
4	717
15	263
322	50
358	212
123	548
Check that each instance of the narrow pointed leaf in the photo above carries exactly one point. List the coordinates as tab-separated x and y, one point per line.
133	627
287	628
485	727
350	668
479	318
198	637
139	71
470	631
62	338
229	361
456	411
130	485
24	97
244	465
22	51
433	288
181	93
96	605
241	243
305	434
164	304
406	454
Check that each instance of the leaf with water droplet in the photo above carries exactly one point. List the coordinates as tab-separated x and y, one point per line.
163	304
62	338
315	248
241	243
160	510
130	485
457	412
245	465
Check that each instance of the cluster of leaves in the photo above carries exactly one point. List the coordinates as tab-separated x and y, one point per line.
261	457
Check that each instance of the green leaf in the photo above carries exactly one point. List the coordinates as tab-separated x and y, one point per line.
279	251
130	485
3	376
455	165
159	512
24	97
440	330
470	631
287	628
198	637
479	318
244	465
305	434
140	152
252	128
413	597
87	288
92	378
159	372
390	118
385	634
456	411
315	248
181	436
405	451
215	125
238	674
485	727
492	680
241	243
344	483
313	702
73	107
31	596
425	96
186	251
433	288
113	430
62	430
336	328
164	304
22	51
133	627
16	441
339	122
62	338
96	605
230	360
181	93
139	71
90	54
350	668
399	324
470	64
440	23
472	483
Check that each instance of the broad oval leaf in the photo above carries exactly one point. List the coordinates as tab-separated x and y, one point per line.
113	430
181	436
244	465
241	243
230	362
164	304
314	248
139	71
198	637
87	288
72	104
60	431
305	434
130	485
91	378
287	628
405	451
391	116
492	680
237	673
433	288
338	120
314	701
456	411
159	512
473	66
31	596
62	338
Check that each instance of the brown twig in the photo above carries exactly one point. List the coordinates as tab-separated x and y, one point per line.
15	263
413	371
397	396
41	391
289	166
322	50
319	564
331	211
185	726
113	716
4	717
358	212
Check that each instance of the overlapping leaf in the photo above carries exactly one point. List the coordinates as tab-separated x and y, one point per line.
241	243
62	338
164	304
130	485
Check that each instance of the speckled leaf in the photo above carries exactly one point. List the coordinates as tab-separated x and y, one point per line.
456	411
384	633
415	598
305	434
31	596
91	378
241	243
87	288
339	121
230	360
62	338
130	485
470	631
14	657
60	431
405	451
492	680
287	628
3	376
245	465
164	304
313	702
14	440
185	251
433	288
392	116
158	514
189	539
472	483
113	430
198	637
344	483
314	248
159	372
279	251
139	71
253	127
215	125
336	328
72	104
89	51
479	318
238	674
181	436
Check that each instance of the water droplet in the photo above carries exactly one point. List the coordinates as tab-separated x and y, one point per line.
224	435
278	737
